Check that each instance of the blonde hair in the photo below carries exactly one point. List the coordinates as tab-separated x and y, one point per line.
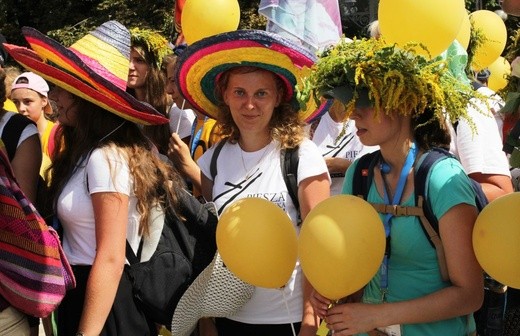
11	72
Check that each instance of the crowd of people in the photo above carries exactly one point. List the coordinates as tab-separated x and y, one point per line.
121	122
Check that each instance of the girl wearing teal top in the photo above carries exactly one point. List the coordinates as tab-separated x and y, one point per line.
404	115
413	269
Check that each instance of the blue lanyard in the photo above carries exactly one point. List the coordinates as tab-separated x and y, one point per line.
410	159
196	137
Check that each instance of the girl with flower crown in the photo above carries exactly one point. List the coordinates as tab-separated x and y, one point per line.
398	101
147	82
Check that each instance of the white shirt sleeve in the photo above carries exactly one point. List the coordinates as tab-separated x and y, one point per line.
108	171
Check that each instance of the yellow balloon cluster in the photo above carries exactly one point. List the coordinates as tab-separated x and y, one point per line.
434	23
495	239
341	245
257	242
339	254
201	18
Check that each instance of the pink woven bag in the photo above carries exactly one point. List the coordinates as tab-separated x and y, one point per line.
34	273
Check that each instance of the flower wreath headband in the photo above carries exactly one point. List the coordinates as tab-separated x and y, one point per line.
153	42
372	73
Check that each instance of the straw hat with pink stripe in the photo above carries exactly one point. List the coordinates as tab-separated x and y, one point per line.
204	61
94	68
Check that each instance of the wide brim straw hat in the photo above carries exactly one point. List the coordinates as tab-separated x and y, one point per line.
94	68
205	60
216	292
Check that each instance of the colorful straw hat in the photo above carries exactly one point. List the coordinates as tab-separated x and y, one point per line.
94	68
204	61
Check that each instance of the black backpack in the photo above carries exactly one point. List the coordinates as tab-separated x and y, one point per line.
289	160
184	250
363	176
11	133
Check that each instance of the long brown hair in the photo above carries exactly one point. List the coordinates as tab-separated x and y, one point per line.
155	182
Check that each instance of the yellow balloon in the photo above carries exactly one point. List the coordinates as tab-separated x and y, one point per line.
495	239
202	18
465	32
341	245
500	70
495	33
434	23
257	242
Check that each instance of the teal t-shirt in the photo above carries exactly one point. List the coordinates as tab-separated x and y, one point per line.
413	269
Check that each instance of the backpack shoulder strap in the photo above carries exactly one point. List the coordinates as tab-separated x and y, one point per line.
214	157
421	179
364	174
429	221
12	131
289	160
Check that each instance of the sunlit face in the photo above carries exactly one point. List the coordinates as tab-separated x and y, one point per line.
171	85
252	98
138	70
66	104
376	131
29	103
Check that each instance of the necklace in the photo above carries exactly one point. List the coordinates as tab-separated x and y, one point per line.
343	131
252	170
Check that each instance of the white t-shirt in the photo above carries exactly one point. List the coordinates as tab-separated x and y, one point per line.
27	132
267	306
495	104
107	171
181	121
479	152
347	146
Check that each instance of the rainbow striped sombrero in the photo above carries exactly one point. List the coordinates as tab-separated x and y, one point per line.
204	61
94	68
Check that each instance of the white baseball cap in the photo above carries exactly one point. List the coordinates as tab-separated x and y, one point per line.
30	80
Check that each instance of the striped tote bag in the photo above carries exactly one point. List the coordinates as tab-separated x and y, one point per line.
34	273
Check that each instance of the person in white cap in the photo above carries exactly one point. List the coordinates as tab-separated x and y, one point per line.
29	93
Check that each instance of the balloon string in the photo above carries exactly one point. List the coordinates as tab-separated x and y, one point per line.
288	311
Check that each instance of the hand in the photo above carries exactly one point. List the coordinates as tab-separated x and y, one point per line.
352	318
320	304
179	153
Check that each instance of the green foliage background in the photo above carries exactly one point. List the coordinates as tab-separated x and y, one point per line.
67	20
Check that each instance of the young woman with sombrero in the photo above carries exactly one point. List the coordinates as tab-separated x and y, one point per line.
399	101
246	81
105	177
